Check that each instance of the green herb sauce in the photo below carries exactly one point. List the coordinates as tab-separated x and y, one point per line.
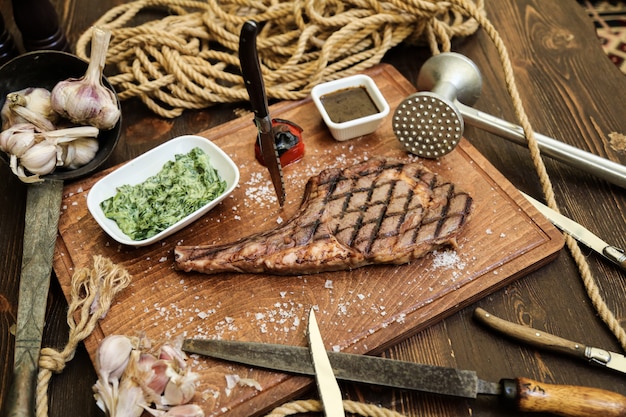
180	188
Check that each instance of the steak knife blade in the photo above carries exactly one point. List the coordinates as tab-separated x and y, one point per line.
524	394
581	234
253	79
327	385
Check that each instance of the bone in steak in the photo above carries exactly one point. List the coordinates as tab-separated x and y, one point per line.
381	211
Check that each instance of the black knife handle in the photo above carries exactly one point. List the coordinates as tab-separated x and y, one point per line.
251	69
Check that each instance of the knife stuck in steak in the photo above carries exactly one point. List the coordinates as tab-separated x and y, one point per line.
380	211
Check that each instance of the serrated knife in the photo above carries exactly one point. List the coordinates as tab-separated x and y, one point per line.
327	385
253	79
523	394
612	253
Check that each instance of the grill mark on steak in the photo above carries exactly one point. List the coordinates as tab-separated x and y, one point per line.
378	211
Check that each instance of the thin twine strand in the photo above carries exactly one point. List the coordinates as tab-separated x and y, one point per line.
92	292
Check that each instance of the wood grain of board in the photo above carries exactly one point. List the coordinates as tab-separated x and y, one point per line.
359	311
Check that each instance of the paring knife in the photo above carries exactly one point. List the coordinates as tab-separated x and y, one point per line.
253	78
327	385
581	234
551	342
521	393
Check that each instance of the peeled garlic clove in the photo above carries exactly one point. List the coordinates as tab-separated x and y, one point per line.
112	356
86	100
40	159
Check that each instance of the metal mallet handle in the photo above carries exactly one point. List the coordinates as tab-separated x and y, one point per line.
603	168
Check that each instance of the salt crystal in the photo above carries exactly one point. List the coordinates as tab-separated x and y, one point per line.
328	284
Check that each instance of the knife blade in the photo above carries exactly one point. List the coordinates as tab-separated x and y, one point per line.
253	79
524	394
534	337
327	385
612	253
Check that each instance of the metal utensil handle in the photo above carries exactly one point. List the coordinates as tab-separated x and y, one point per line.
601	167
43	204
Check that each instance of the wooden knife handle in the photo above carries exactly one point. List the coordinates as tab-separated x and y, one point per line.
529	335
563	400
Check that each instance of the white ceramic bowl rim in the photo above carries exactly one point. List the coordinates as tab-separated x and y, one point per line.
139	169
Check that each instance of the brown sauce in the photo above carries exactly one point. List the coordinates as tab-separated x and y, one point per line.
348	104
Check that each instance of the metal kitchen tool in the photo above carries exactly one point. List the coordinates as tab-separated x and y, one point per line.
551	342
327	385
430	123
581	234
253	79
43	203
521	393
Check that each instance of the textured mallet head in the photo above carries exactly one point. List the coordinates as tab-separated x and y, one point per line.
427	125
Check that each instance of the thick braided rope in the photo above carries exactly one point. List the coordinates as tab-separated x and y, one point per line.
314	406
589	282
92	293
188	59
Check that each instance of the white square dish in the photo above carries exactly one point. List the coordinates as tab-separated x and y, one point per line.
150	163
356	127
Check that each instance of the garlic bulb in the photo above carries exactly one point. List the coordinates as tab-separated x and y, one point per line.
39	153
86	101
30	105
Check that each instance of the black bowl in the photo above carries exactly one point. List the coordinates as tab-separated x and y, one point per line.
45	69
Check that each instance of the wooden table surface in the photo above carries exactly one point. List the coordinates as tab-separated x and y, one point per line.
571	92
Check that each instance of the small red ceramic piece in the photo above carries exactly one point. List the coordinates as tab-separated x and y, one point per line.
289	144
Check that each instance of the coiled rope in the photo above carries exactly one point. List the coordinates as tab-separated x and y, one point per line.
188	60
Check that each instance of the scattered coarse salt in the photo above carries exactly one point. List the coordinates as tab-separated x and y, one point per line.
328	284
447	260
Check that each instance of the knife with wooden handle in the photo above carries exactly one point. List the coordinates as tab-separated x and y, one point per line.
522	394
551	342
253	79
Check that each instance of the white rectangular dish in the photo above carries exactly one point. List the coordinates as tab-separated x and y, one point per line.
150	163
358	126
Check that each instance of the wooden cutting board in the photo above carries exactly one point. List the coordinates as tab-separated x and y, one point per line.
359	311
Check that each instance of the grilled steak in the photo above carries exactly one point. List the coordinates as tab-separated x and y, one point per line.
381	211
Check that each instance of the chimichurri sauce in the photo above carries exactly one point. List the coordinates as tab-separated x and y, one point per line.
180	188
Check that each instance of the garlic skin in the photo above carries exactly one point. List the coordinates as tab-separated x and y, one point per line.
85	100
